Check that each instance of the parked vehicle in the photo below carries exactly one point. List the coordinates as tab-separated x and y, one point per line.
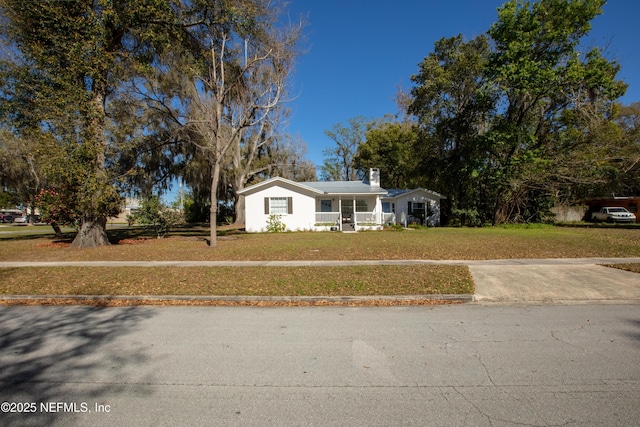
10	215
613	214
21	220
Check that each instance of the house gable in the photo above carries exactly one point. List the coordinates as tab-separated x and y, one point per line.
297	187
292	202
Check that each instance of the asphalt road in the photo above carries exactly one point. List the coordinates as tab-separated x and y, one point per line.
471	364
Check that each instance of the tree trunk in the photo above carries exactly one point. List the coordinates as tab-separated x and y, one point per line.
239	208
239	179
93	231
213	212
92	234
57	230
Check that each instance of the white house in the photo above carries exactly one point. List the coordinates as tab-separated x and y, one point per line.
337	205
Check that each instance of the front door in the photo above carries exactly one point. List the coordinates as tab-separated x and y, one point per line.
348	217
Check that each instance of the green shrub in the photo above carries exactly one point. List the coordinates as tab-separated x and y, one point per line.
394	227
416	226
465	218
275	224
154	213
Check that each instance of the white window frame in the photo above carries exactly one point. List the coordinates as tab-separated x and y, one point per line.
278	206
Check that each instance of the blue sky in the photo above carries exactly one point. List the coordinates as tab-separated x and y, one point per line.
361	51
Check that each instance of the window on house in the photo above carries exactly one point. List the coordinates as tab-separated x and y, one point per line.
278	205
416	209
325	205
361	206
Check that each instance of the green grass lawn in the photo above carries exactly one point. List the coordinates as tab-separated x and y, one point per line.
190	244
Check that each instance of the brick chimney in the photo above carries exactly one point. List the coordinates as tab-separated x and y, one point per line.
374	177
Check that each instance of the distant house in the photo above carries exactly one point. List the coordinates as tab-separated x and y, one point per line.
337	205
130	205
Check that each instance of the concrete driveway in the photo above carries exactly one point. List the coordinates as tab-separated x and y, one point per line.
556	283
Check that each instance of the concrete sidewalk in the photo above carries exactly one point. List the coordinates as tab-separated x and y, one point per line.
323	263
558	280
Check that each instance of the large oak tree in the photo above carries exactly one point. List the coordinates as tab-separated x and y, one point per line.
222	97
64	63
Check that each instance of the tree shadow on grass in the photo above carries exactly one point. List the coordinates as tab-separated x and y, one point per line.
127	234
43	236
195	231
63	354
198	231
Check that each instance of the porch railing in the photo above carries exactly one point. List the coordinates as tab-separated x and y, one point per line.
361	218
327	218
368	218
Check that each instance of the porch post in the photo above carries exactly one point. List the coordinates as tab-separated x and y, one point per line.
355	216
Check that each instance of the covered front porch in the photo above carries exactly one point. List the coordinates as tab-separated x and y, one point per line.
350	213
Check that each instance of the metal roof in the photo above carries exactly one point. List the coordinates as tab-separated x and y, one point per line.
393	193
345	187
337	187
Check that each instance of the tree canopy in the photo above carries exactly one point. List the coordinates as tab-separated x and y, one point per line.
64	64
506	124
123	97
339	164
518	119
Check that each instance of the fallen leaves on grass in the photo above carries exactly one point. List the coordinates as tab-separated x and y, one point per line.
244	281
433	243
633	267
137	241
56	245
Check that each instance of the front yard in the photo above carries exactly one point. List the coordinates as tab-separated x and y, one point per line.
189	244
433	243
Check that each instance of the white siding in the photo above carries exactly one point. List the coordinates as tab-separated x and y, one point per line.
402	206
302	218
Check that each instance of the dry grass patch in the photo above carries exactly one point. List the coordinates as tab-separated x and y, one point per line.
633	267
435	243
245	281
120	302
438	243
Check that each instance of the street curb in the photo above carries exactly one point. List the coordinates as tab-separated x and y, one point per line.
387	300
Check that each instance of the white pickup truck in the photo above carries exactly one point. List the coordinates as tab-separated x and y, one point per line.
613	214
